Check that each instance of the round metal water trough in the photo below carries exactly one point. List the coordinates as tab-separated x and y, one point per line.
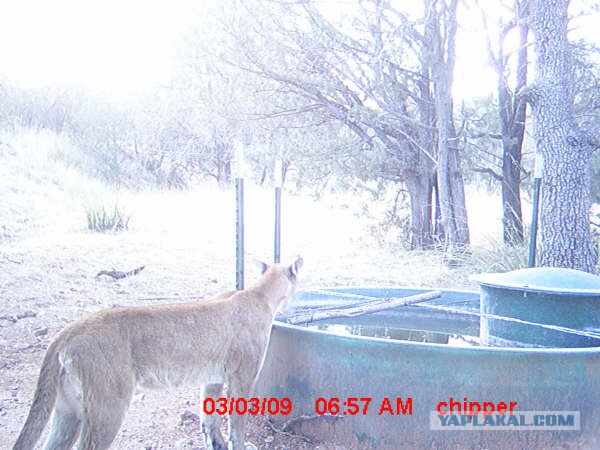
542	306
318	369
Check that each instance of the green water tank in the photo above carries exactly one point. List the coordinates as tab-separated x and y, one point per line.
541	307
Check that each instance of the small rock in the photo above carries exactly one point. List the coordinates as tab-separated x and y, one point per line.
41	332
269	439
12	319
26	314
184	443
189	418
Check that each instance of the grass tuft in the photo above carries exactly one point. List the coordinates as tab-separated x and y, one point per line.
103	220
493	255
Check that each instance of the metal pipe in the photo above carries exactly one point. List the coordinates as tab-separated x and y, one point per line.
239	234
277	243
278	182
537	181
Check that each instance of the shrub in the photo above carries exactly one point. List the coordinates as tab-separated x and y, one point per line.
104	220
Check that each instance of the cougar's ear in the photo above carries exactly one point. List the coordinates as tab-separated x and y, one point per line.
295	267
262	266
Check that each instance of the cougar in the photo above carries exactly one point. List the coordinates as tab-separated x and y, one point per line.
91	369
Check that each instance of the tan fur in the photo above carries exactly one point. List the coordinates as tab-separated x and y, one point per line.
90	370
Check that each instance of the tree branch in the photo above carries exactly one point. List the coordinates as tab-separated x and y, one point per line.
488	171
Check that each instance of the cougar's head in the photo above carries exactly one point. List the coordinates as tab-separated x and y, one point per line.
286	277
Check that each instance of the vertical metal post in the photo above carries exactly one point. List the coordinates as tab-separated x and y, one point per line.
239	234
537	181
277	178
238	167
277	244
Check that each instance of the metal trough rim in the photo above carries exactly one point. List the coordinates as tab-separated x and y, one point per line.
471	349
498	280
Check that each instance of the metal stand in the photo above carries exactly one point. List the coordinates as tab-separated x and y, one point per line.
277	243
537	181
239	234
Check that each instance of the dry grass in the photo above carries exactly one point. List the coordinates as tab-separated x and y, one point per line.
104	219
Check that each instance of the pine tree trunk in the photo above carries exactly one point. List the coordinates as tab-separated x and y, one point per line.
512	215
565	232
512	117
419	188
450	181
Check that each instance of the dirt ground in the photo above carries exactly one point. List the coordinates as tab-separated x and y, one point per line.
48	268
43	287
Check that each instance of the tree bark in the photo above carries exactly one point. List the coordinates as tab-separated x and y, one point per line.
424	180
565	232
512	117
450	182
420	189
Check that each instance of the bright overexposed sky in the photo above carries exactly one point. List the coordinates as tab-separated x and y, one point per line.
117	46
120	47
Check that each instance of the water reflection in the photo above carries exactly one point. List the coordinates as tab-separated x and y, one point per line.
398	334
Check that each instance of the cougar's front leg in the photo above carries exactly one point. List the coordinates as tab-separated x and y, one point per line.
237	422
211	423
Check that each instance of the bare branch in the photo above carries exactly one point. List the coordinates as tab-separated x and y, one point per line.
488	171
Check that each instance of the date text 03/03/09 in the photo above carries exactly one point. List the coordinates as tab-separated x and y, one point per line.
252	406
353	406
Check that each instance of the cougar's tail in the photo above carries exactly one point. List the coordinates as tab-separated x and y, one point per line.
43	401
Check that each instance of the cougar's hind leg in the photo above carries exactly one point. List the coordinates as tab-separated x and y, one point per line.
211	423
68	411
105	406
66	423
99	427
